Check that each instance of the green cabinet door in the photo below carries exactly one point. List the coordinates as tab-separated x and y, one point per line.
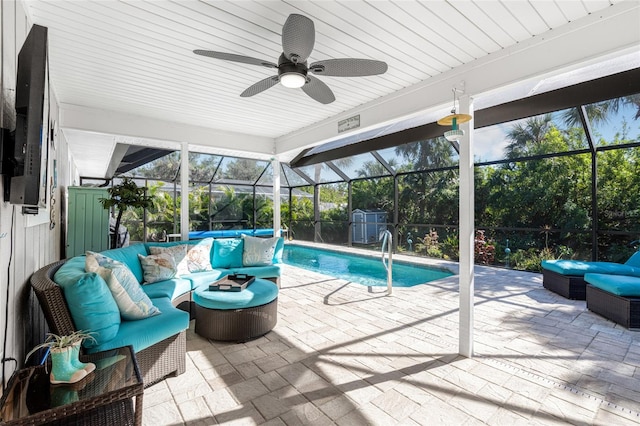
88	226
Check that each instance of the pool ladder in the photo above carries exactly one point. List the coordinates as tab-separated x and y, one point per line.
387	238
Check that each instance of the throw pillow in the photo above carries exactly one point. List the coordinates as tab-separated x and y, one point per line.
227	253
179	255
258	251
157	267
199	255
132	302
93	308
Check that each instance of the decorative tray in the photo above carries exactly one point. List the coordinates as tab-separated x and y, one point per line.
237	282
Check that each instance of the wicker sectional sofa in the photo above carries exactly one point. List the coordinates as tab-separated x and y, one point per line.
159	340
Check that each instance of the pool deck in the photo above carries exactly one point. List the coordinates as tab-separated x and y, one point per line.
346	354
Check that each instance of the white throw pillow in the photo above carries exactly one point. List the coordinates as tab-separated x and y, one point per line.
258	251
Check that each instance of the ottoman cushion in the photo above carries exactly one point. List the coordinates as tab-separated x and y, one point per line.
259	293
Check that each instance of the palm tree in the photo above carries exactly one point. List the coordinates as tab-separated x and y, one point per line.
524	134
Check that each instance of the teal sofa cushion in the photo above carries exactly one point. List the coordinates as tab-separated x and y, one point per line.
144	333
70	271
199	279
259	293
129	256
620	285
227	253
171	288
270	271
581	267
93	308
277	255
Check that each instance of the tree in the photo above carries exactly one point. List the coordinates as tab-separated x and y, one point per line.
124	195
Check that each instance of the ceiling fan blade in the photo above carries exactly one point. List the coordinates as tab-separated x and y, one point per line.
235	58
348	67
298	38
260	86
319	91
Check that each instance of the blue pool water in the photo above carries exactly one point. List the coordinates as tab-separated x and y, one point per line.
359	269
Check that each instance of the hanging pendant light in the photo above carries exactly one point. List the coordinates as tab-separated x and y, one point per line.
454	120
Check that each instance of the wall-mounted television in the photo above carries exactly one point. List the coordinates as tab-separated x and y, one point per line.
24	156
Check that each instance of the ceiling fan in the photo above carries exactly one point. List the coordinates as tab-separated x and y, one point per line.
298	38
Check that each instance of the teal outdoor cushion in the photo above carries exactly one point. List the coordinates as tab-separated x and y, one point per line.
277	255
93	308
227	253
129	256
204	278
620	285
171	288
259	293
269	271
581	267
70	271
146	332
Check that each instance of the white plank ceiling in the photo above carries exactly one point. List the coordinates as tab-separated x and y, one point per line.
136	57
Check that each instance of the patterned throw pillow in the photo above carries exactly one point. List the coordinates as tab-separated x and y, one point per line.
258	251
157	267
188	257
179	255
199	256
132	302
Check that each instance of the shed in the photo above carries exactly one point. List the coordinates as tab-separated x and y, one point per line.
367	225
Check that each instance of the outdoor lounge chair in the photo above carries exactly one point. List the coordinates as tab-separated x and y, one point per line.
566	277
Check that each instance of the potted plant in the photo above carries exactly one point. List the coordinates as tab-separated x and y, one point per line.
125	194
66	367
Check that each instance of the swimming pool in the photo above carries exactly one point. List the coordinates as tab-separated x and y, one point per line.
363	270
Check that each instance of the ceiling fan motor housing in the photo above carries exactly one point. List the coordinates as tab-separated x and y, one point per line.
285	66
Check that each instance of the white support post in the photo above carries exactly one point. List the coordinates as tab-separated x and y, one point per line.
467	218
184	192
275	164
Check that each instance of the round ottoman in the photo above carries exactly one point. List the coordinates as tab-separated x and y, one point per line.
236	316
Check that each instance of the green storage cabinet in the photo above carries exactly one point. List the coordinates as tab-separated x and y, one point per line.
88	226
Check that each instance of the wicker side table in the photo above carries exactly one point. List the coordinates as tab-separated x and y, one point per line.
103	397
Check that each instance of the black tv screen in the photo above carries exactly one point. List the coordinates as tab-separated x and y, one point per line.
32	122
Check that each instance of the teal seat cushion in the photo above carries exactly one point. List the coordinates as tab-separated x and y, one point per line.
270	271
227	253
129	256
171	288
581	267
620	285
199	279
146	332
70	271
277	255
259	293
93	308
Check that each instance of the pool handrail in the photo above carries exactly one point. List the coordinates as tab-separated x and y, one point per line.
387	239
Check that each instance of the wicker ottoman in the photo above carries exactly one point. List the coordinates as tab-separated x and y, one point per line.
236	316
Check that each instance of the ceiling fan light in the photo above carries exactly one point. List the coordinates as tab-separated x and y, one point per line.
454	135
292	80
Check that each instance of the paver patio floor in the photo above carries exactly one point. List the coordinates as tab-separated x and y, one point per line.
347	354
